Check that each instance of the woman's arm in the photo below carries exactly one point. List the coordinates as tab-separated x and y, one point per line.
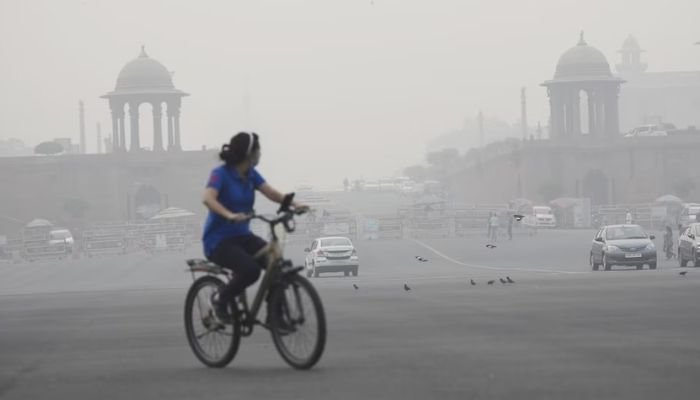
210	200
275	196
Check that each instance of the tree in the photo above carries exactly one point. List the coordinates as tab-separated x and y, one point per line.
76	208
48	148
445	159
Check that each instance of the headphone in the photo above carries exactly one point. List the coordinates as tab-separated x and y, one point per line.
250	143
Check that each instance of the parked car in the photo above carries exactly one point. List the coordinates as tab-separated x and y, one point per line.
650	130
331	254
689	245
62	237
622	245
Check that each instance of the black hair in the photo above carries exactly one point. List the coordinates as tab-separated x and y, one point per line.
236	150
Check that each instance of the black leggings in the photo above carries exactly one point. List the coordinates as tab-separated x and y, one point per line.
236	253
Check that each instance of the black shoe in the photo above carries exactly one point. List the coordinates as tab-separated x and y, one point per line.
221	309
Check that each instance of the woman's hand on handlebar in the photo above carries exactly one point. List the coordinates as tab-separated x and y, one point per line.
238	218
301	208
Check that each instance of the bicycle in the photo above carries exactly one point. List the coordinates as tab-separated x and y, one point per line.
294	309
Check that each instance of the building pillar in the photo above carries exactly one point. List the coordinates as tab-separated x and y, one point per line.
176	122
576	111
600	116
171	128
592	128
568	104
135	144
612	112
157	126
122	133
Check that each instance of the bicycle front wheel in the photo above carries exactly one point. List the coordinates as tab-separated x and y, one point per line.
297	322
213	342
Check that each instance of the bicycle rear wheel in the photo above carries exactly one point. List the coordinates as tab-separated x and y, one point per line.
297	322
214	343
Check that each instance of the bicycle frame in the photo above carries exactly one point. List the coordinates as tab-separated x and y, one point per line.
273	252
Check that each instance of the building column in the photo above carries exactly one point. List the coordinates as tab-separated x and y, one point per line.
135	144
600	114
569	115
171	128
592	129
122	133
576	111
157	126
176	121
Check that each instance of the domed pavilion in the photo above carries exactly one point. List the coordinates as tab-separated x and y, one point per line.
145	80
583	95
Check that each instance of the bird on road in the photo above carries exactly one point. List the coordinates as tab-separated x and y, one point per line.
355	286
406	288
473	283
421	259
491	282
503	281
491	246
683	273
518	217
509	280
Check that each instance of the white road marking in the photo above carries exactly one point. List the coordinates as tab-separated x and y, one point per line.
486	267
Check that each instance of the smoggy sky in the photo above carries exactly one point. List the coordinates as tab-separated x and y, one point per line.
335	88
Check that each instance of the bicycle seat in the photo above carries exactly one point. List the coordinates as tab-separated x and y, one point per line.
201	265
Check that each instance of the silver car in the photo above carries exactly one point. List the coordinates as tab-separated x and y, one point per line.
331	254
689	245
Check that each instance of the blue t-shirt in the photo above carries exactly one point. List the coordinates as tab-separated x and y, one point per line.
238	196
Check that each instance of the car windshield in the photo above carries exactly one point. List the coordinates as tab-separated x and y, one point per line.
625	232
542	210
336	242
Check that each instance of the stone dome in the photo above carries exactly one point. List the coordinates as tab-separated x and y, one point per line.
144	72
582	61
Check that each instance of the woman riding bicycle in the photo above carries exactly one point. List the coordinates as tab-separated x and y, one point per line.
230	196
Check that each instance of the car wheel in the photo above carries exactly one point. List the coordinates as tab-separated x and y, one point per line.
592	263
695	259
346	273
354	272
652	265
606	266
640	266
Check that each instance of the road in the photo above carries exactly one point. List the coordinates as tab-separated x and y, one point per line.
112	328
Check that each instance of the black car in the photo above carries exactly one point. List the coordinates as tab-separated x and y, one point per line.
622	245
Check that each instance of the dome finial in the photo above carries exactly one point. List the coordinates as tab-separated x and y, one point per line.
143	51
581	40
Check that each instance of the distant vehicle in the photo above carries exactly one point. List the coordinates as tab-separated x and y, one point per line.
541	217
689	245
689	214
62	236
331	254
622	245
650	130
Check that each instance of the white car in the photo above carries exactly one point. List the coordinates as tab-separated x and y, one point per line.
541	217
331	254
62	237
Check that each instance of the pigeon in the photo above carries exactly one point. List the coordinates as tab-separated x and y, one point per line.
405	287
509	280
491	246
355	286
683	273
503	281
421	259
490	282
473	283
518	217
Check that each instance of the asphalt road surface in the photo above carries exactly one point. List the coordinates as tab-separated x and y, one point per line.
112	328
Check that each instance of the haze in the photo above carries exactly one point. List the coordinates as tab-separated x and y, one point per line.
335	88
